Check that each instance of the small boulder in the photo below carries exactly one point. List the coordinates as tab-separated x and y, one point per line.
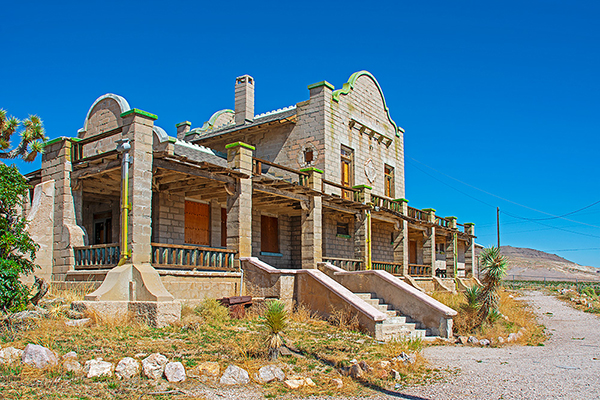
127	368
294	383
473	340
208	368
72	365
383	364
39	356
73	314
269	373
355	371
10	355
484	342
512	337
406	358
77	322
70	354
96	368
337	382
396	375
462	340
234	375
154	365
364	366
309	382
501	340
175	372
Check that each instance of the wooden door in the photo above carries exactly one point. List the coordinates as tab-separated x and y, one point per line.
412	252
223	227
197	223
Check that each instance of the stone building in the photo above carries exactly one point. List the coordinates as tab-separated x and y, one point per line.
316	185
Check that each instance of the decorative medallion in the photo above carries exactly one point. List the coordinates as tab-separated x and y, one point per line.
308	156
370	171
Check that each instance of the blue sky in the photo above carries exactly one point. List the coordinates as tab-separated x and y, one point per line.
499	100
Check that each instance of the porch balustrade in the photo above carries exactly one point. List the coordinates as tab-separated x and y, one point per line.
392	268
386	203
419	270
417	214
347	264
278	171
99	256
174	256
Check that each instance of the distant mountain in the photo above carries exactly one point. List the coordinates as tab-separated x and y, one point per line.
531	264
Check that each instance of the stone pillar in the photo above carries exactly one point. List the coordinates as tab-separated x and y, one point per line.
429	241
137	127
239	205
401	239
182	129
361	226
470	260
215	224
56	165
312	223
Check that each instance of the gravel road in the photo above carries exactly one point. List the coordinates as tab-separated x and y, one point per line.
568	366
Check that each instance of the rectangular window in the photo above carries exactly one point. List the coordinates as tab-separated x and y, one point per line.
347	159
197	223
269	234
343	229
388	178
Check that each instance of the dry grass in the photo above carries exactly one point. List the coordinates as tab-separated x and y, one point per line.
517	314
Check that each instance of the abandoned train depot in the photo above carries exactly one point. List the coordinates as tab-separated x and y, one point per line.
306	204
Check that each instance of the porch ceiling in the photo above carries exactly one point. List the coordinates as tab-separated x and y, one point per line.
196	187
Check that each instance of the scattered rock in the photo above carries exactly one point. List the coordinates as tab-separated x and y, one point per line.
39	356
337	382
269	373
462	340
355	371
52	302
353	361
77	322
472	340
10	355
127	368
234	375
501	340
70	354
519	334
73	314
141	355
96	368
512	337
154	365
72	365
484	342
364	366
396	375
28	315
309	382
406	358
294	383
175	372
383	364
209	368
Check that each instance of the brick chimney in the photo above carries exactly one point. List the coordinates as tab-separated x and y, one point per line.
182	129
244	99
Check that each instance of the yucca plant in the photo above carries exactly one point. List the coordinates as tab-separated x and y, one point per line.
32	137
275	321
472	297
493	268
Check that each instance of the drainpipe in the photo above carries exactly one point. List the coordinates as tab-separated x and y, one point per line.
123	147
455	251
368	234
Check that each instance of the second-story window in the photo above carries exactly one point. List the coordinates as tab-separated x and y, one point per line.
347	156
388	175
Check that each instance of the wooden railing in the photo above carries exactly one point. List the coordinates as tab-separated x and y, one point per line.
293	175
99	256
443	222
419	270
392	268
77	146
417	214
347	191
386	203
347	264
175	256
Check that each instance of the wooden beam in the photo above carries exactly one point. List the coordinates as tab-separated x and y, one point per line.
281	193
192	170
91	171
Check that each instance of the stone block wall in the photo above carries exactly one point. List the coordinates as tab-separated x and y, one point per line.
333	245
170	225
381	245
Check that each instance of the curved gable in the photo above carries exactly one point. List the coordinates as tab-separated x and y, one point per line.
367	89
104	114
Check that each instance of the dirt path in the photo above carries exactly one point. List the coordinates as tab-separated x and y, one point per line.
568	366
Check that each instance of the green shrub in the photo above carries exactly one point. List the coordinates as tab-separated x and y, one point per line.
213	313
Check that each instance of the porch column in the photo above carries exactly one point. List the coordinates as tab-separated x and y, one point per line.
56	165
312	222
429	241
239	205
401	239
470	264
137	127
215	224
362	227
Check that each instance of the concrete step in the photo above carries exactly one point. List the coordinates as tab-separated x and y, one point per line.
364	296
396	320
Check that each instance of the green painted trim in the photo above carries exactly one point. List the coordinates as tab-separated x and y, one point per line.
350	85
172	139
240	144
451	217
210	124
362	187
344	236
309	169
186	123
58	139
319	84
266	253
76	139
469	224
139	112
429	209
401	200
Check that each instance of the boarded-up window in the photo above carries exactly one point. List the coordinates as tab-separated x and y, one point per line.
347	155
389	181
197	223
412	252
223	227
269	234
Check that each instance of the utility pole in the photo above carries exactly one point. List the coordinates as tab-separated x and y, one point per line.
498	225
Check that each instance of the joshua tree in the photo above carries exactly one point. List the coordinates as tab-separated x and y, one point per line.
32	137
276	323
493	267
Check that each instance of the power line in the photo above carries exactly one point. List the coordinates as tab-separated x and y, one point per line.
589	248
555	227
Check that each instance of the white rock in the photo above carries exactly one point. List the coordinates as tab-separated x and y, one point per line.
72	365
39	356
127	368
154	365
473	340
77	322
501	340
70	354
337	382
269	373
484	342
512	337
175	372
383	364
10	355
294	383
97	367
309	382
234	375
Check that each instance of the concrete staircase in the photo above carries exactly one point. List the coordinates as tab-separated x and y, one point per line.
396	325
